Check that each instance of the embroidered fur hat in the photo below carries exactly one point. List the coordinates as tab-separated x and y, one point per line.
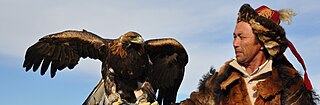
265	25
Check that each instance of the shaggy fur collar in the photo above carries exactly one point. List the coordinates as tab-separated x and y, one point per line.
272	85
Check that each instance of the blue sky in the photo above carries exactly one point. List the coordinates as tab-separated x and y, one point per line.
204	27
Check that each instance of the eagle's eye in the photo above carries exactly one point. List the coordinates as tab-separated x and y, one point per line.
132	37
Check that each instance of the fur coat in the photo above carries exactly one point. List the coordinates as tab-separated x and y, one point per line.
283	85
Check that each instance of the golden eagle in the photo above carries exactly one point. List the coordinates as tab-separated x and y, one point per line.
128	63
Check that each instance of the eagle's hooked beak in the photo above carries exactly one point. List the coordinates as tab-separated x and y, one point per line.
137	40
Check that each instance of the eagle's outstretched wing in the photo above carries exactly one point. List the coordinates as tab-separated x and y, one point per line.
63	50
168	58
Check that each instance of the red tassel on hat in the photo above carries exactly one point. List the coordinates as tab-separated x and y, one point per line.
299	58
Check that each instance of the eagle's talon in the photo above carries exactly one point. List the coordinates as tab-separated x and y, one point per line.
142	99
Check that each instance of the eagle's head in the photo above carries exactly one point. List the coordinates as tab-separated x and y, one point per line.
128	42
131	38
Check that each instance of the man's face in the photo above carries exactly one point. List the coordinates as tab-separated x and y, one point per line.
244	43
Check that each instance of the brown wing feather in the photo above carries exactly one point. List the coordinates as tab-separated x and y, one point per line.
169	59
63	50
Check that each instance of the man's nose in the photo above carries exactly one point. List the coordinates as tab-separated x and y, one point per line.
236	42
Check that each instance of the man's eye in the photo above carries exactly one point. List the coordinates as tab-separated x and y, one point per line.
234	36
241	37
